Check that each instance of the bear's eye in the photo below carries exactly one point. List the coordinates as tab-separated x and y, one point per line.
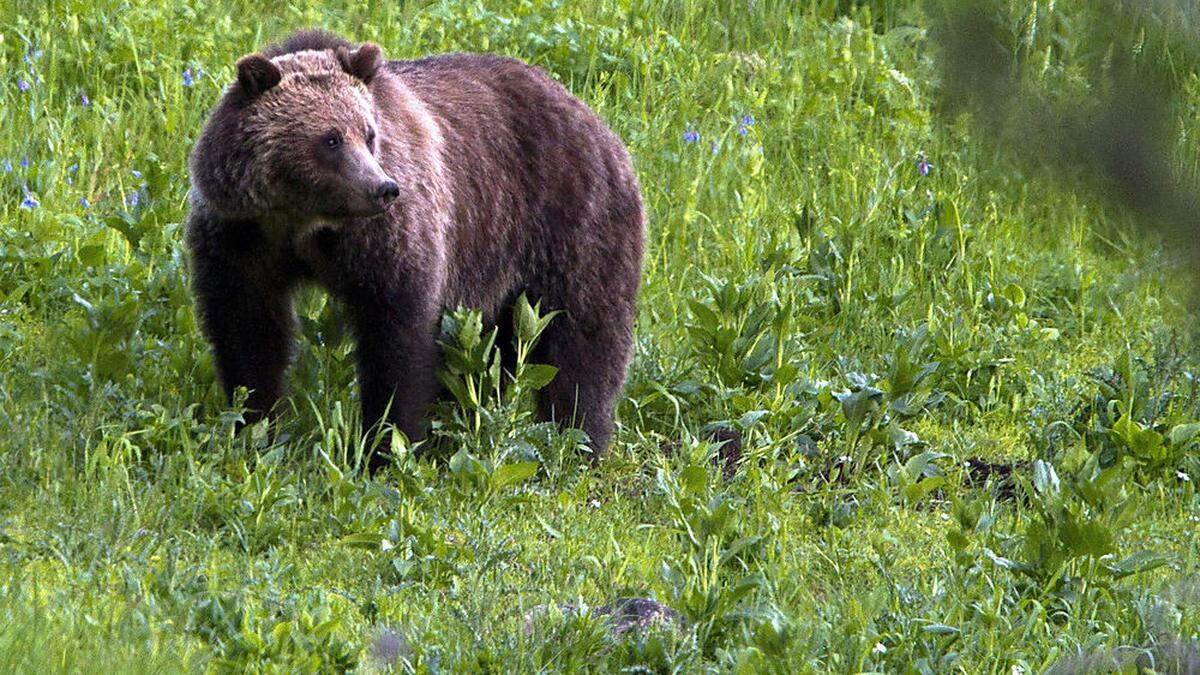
333	141
370	137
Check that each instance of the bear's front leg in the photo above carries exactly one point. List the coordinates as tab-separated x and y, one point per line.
245	311
398	358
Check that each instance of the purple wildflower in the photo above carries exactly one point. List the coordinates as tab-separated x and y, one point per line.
23	85
923	166
747	120
133	198
24	162
84	100
714	146
390	646
29	202
743	130
188	80
691	136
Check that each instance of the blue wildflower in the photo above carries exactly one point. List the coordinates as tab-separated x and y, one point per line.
84	100
132	200
32	56
84	202
23	85
923	166
743	130
136	173
73	168
748	120
24	162
7	166
188	80
714	146
691	136
29	202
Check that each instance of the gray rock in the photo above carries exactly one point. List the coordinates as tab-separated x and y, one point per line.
623	615
638	614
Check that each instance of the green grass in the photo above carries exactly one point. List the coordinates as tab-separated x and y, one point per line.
867	329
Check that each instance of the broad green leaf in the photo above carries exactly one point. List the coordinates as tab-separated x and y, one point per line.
751	418
365	540
694	477
537	375
1142	561
1181	434
918	491
704	316
511	474
1014	294
91	255
858	405
526	320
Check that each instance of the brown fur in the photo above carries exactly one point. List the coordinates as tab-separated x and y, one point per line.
508	184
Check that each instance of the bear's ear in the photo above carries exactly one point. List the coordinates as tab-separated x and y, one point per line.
256	74
363	62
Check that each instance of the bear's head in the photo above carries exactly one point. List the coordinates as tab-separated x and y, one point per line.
296	137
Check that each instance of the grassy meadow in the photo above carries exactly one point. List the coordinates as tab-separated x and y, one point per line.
959	391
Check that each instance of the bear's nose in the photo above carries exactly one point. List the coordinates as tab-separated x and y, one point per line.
387	191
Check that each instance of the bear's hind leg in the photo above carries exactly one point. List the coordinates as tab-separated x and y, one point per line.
591	354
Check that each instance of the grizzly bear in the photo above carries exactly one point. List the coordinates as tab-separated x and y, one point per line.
405	188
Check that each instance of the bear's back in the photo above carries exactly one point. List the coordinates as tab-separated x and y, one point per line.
533	171
484	90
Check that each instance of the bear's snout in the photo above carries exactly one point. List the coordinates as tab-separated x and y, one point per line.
386	192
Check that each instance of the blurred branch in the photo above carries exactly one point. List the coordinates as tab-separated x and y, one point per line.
1115	130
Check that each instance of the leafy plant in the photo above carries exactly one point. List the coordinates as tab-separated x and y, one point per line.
1073	535
741	334
712	580
491	421
302	637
